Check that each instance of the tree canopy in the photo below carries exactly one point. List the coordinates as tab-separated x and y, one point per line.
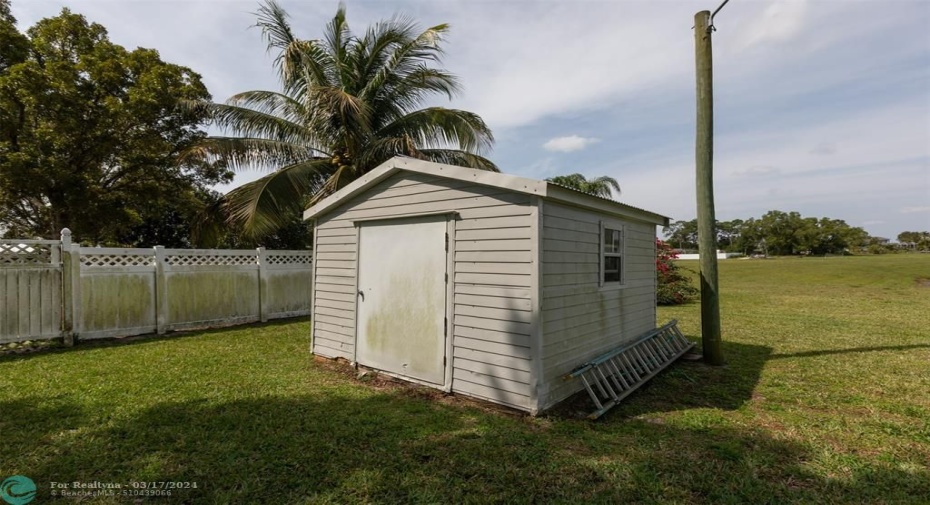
90	135
602	186
777	233
348	102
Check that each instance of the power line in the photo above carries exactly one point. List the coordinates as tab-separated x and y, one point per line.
711	26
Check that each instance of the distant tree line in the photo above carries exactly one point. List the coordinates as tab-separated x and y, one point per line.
780	233
914	240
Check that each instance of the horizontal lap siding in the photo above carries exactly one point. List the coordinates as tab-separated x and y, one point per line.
493	302
580	319
334	291
491	278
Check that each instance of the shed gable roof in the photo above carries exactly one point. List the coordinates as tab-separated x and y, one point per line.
513	183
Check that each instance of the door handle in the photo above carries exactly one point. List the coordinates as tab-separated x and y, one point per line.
362	294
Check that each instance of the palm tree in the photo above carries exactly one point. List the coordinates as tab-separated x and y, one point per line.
600	186
348	103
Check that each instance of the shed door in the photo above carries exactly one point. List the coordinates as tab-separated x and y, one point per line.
402	297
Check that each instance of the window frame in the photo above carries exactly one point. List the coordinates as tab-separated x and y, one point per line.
603	254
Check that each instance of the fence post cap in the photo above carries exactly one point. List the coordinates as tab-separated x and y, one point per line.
65	238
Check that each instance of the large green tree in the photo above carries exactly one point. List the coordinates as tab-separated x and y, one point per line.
348	102
90	135
602	186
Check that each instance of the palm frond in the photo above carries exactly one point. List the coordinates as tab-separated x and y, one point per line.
270	102
272	20
253	123
335	106
262	206
460	158
403	95
600	186
437	127
406	58
338	37
607	182
296	60
574	181
423	78
248	153
339	178
306	63
208	226
374	48
380	149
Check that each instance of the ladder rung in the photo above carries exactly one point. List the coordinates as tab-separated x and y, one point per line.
643	360
618	374
630	368
606	383
593	396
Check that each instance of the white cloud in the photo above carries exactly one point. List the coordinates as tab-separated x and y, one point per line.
780	21
824	149
525	61
569	144
757	171
915	210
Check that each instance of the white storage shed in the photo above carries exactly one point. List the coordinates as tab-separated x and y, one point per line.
480	283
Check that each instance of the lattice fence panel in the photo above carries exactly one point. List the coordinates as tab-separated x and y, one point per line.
289	259
180	260
116	260
25	254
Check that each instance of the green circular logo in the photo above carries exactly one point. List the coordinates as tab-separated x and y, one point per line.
18	490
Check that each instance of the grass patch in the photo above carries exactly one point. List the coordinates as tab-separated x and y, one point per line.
824	399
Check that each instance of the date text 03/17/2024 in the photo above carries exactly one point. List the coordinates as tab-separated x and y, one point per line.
90	489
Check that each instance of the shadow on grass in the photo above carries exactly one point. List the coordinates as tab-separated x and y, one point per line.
854	350
400	448
45	348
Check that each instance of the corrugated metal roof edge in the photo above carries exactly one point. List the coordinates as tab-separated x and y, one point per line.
483	177
610	201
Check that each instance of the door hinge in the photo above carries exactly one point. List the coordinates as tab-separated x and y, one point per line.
447	241
445	326
443	361
446	277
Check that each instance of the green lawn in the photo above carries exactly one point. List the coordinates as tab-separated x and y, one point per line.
826	399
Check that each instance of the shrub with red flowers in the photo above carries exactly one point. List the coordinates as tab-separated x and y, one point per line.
673	286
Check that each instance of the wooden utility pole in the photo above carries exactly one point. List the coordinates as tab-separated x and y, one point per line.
706	221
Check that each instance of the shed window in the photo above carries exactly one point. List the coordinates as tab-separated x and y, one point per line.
611	255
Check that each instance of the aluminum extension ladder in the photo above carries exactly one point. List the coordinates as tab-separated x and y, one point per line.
611	377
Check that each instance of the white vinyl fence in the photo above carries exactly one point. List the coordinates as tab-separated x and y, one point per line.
53	288
30	290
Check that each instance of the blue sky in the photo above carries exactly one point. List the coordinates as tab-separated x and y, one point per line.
822	106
